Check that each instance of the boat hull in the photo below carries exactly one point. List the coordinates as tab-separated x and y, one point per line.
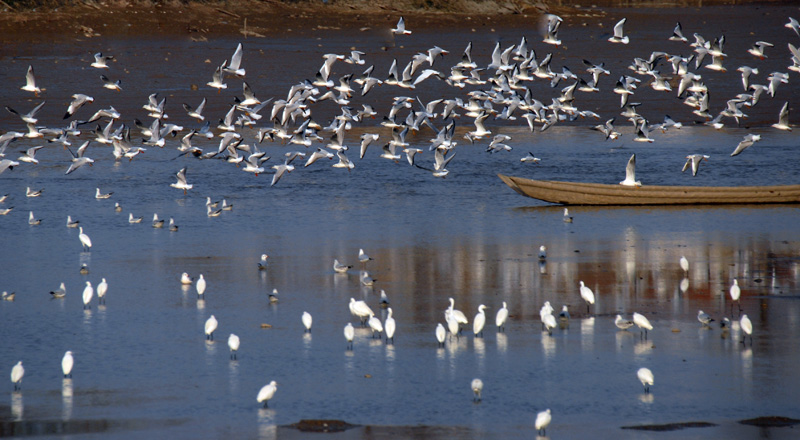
574	193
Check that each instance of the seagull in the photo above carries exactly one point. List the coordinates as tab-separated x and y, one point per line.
793	25
60	292
66	364
530	158
307	320
630	173
181	183
704	318
694	160
267	392
30	82
211	325
7	163
349	335
98	195
33	193
279	171
477	387
100	61
642	323
85	240
646	378
78	160
236	60
196	113
401	28
216	78
29	117
783	119
339	267
363	257
677	33
273	297
186	279
33	221
88	293
132	219
262	264
8	296
233	345
551	32
567	217
16	375
543	419
748	140
112	85
384	299
587	295
622	324
618	31
501	317
157	223
758	49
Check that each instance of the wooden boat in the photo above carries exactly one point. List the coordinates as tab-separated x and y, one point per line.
573	193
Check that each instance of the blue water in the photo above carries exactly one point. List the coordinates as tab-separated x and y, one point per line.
142	362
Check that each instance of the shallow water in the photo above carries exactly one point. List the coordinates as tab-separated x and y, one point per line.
141	359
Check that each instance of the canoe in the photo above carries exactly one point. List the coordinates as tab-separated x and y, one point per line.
574	193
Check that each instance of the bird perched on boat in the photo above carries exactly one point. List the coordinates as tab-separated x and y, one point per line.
694	160
630	173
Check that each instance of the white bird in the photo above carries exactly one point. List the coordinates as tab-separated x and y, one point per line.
307	321
133	220
16	375
66	364
363	257
267	392
384	299
186	279
234	67
542	253
30	82
618	36
349	334
233	345
273	297
502	316
32	220
339	267
101	61
694	160
642	323
783	119
748	140
200	286
543	419
360	309
88	293
549	322
458	315
375	324
211	325
567	217
440	334
735	293
587	295
181	183
630	173
32	193
622	324
157	223
367	280
704	318
747	328
85	240
646	378
479	321
60	292
390	326
477	387
262	264
172	226
217	78
452	324
684	264
102	288
563	315
400	29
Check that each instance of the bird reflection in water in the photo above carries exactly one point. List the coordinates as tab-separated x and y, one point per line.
66	399
267	429
17	405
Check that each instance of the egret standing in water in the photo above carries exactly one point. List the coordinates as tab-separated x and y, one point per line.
735	292
646	378
684	264
543	421
88	293
479	321
587	295
307	321
86	242
102	288
267	392
16	375
211	325
390	326
66	364
349	335
642	323
502	316
200	286
477	387
440	334
233	344
747	328
361	310
375	324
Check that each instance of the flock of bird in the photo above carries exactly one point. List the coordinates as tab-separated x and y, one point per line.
506	96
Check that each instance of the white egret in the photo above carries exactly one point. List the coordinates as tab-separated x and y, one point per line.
735	292
440	334
361	310
502	316
459	316
88	293
684	264
267	392
390	326
211	325
587	295
646	378
375	324
477	387
102	288
452	325
66	364
307	320
16	375
747	328
86	242
622	324
642	323
233	344
349	335
549	322
542	421
200	286
479	321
